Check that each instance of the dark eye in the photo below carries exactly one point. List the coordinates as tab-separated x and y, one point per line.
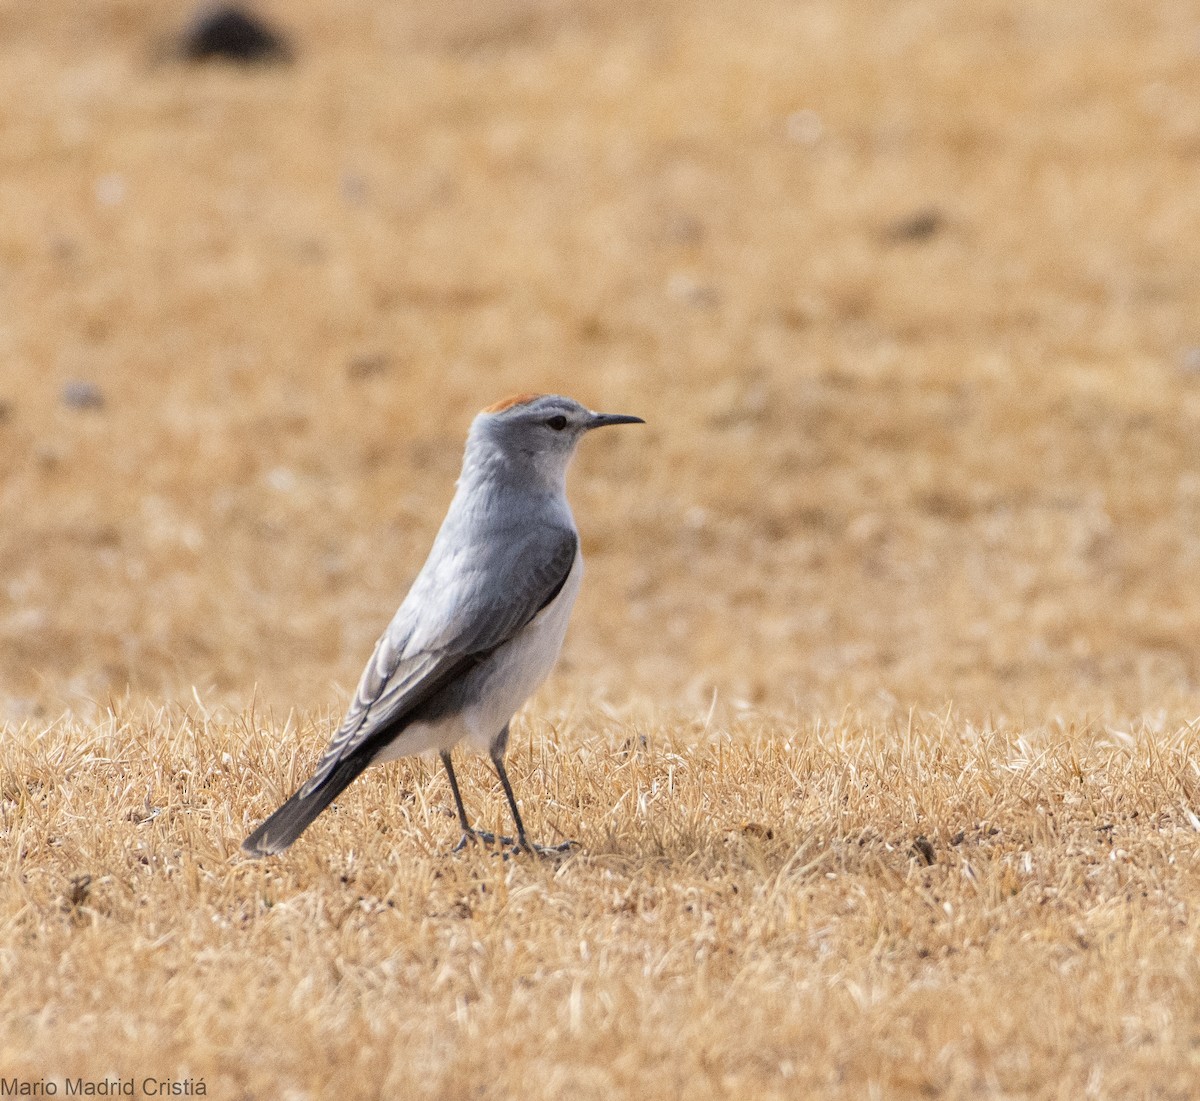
557	423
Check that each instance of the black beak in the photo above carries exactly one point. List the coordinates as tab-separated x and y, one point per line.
602	420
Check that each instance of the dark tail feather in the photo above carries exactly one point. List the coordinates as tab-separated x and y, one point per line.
298	813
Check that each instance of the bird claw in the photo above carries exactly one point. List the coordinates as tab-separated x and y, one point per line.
509	847
546	851
481	837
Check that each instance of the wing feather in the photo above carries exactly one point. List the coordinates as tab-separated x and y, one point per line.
414	659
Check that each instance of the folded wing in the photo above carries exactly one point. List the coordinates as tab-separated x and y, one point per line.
416	658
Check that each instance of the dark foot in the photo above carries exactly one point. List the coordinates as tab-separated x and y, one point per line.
545	850
481	837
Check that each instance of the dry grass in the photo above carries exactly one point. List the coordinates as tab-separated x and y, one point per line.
907	294
773	908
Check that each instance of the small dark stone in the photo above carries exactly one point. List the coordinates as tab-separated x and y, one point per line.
367	366
229	32
5	411
82	395
918	227
80	886
685	229
354	189
923	850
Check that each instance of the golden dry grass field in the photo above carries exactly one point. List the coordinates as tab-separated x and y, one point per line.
875	724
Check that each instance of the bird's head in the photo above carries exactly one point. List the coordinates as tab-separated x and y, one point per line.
537	429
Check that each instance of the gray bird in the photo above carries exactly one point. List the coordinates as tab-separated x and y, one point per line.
483	623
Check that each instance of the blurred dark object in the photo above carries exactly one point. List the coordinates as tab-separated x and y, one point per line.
229	32
923	850
367	366
922	225
82	395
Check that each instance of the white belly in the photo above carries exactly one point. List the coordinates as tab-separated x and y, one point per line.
500	685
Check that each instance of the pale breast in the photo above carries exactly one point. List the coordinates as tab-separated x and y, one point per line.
516	670
479	706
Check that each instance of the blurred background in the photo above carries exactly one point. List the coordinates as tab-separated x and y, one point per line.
907	291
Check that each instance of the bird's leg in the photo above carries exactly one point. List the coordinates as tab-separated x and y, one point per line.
523	842
462	811
469	835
